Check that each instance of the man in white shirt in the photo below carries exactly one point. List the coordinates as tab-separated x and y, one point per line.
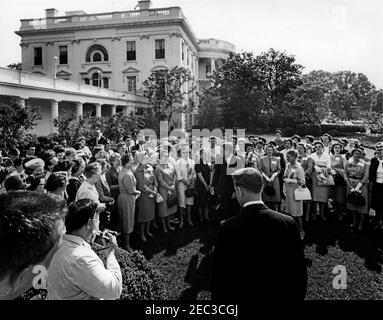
76	272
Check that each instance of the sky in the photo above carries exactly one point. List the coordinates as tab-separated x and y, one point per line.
331	35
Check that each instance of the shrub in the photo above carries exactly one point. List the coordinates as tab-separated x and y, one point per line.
311	129
288	132
140	280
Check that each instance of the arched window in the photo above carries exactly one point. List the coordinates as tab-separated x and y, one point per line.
96	53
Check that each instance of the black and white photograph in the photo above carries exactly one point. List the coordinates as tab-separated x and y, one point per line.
208	152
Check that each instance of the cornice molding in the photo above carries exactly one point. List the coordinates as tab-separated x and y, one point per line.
118	25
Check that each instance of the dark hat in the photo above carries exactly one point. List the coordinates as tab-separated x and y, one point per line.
14	183
278	131
296	137
262	139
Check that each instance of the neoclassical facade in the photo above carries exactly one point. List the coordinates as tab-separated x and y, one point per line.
119	50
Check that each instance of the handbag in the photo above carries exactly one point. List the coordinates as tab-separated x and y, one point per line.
356	199
328	182
159	198
269	190
190	192
171	201
302	194
338	180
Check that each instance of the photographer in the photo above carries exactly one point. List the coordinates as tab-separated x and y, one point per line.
76	272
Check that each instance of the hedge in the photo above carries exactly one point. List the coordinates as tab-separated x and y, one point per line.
140	280
317	130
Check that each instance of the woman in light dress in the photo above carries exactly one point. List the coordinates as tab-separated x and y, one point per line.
294	177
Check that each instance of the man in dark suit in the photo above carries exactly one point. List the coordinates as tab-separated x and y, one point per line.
225	165
258	254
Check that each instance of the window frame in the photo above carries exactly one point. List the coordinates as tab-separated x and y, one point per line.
35	57
132	52
62	56
160	53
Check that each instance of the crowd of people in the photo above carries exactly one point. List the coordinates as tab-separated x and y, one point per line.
142	184
62	196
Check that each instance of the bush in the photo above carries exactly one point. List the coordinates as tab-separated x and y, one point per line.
288	132
341	129
140	280
309	129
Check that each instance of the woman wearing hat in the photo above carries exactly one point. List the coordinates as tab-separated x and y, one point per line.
166	177
146	203
356	176
127	198
321	177
376	180
338	164
307	165
35	170
294	177
271	168
326	139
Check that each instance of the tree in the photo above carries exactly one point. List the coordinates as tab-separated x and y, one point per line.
252	88
15	122
15	66
164	90
209	110
114	128
309	102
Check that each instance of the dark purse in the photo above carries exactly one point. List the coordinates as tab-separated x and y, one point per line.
171	201
338	180
189	192
269	190
356	199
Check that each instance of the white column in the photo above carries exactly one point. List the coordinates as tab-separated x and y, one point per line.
79	110
21	101
98	110
113	110
212	64
125	110
54	114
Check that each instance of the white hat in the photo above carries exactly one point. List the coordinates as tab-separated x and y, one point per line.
33	162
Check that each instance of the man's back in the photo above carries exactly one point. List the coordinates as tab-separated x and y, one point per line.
258	255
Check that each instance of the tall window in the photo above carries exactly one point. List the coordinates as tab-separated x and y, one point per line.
63	50
160	49
183	51
187	56
106	82
208	70
131	84
38	56
96	79
131	50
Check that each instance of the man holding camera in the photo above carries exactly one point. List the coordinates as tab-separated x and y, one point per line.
76	272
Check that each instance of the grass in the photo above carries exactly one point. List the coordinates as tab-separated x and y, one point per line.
184	260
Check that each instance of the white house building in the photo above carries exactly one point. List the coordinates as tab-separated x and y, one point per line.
117	51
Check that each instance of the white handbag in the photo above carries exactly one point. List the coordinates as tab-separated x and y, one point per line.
159	198
302	194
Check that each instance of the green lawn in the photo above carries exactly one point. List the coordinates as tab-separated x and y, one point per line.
183	258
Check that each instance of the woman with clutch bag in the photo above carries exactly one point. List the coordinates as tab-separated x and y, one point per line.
127	199
338	163
203	171
307	165
166	177
322	180
356	175
186	185
147	184
271	168
294	178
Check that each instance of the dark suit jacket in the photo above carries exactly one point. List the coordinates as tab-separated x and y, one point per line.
222	181
373	169
258	255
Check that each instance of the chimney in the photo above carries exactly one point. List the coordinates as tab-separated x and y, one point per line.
51	13
144	4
